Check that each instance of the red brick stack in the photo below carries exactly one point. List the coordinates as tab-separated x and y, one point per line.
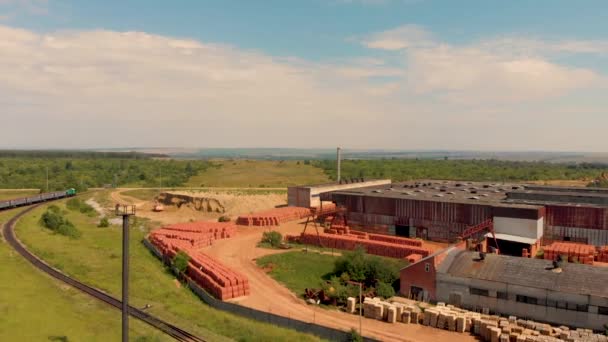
273	217
412	258
221	281
575	252
602	255
210	274
351	241
395	239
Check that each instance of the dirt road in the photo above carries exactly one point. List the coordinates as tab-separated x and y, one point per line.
268	295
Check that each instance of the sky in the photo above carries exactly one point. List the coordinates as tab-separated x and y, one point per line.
378	74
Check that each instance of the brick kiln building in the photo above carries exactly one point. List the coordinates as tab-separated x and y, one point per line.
441	210
574	295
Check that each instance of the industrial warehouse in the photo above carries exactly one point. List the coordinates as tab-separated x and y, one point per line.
515	221
522	215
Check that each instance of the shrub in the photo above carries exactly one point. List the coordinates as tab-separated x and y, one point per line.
223	218
76	204
54	220
104	222
180	262
385	290
273	238
354	336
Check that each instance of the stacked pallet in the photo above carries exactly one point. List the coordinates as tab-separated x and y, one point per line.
574	252
489	328
602	254
395	239
219	280
350	242
273	217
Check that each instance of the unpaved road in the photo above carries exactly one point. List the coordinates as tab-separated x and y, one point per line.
270	296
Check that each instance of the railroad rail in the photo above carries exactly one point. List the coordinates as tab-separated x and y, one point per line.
169	329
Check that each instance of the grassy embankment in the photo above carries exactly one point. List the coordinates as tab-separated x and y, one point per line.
95	259
257	174
299	270
35	307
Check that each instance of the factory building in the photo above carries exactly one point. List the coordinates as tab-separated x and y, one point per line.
308	195
573	295
442	210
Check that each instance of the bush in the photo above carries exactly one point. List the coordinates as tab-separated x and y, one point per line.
354	336
385	290
273	238
104	222
54	220
361	267
223	219
76	204
180	262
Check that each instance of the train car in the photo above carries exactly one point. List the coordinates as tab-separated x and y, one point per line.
49	196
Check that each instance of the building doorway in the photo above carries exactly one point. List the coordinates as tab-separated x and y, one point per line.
402	230
507	247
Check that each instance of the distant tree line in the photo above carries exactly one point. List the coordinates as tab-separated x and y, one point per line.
77	154
83	173
479	170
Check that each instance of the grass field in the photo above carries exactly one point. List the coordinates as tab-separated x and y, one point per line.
9	194
299	270
253	174
35	307
95	258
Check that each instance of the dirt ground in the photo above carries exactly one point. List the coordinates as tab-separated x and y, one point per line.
268	295
240	253
235	204
558	182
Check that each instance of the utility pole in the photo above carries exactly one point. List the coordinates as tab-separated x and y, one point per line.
125	211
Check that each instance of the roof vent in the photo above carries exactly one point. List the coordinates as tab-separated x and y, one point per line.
474	198
419	190
438	195
378	191
484	195
473	191
485	186
442	189
450	193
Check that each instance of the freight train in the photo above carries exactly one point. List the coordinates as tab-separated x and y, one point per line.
18	202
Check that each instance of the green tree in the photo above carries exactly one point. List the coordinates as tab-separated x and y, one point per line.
180	262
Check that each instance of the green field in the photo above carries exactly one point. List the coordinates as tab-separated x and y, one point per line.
35	307
9	194
95	258
255	174
298	270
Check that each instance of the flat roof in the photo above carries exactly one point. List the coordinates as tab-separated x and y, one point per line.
530	272
484	193
331	184
443	191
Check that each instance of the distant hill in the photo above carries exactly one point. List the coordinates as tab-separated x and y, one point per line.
296	153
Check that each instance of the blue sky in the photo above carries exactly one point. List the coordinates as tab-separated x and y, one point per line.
417	71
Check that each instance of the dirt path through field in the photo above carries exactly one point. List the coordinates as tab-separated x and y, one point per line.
268	295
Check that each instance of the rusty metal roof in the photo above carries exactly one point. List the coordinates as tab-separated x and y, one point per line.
536	273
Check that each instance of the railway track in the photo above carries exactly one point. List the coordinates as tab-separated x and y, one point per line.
167	328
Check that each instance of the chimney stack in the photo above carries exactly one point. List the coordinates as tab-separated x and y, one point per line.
338	156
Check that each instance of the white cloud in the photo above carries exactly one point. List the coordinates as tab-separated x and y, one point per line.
107	88
500	70
403	37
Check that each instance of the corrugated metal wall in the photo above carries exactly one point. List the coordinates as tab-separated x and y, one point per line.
579	217
595	237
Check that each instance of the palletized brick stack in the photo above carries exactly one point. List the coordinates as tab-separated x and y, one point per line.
351	241
602	254
573	251
210	274
221	281
273	217
395	239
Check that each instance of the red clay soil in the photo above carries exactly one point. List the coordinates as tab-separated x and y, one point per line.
240	252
